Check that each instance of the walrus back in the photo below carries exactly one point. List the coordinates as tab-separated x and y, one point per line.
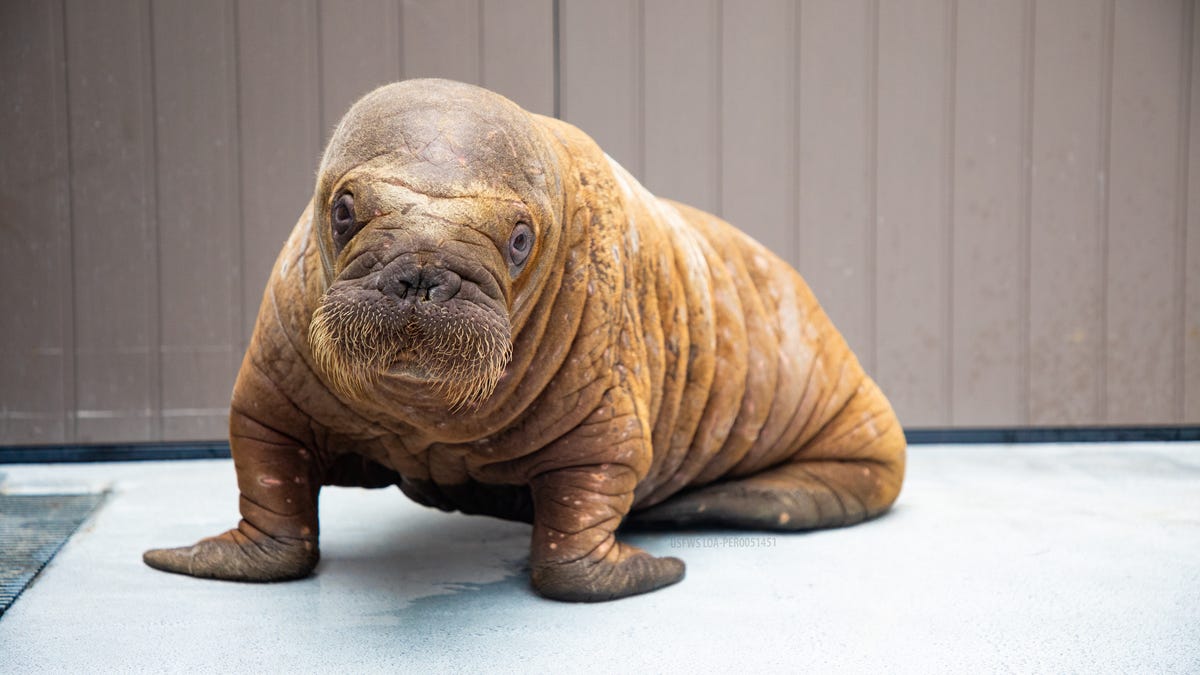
751	372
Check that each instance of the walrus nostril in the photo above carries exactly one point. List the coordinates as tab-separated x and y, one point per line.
444	285
393	285
422	283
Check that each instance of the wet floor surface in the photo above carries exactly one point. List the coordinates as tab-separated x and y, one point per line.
1029	558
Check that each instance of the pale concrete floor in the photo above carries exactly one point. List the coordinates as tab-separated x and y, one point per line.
1027	559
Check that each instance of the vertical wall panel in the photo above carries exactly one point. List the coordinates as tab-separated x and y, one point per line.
681	99
758	94
600	78
914	146
1066	265
35	259
195	92
1142	311
989	214
112	195
280	131
997	202
1191	327
442	39
360	50
836	126
518	52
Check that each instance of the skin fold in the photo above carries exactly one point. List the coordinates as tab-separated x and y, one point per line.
481	307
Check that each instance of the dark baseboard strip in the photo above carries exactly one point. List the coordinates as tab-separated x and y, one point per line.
114	452
134	452
1052	435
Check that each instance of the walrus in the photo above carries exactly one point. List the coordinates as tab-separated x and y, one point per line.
481	307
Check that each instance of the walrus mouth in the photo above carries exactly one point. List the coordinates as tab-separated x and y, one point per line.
367	342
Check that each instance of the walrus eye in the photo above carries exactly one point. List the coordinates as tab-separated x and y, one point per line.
520	243
341	217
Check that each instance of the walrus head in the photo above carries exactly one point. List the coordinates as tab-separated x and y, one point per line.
435	201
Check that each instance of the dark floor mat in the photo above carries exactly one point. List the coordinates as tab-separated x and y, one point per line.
32	529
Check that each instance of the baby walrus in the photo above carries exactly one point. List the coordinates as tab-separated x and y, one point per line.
481	307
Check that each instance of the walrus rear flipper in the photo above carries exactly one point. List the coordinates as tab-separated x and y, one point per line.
850	472
797	496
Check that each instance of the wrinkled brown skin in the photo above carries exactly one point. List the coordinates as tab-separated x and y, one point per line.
665	368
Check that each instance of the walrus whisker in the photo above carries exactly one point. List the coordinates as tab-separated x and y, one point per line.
355	346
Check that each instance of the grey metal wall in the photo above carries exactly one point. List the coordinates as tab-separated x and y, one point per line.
998	202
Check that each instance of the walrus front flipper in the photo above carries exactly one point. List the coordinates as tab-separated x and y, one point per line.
576	556
241	554
276	539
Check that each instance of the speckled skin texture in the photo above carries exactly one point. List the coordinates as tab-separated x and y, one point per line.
645	361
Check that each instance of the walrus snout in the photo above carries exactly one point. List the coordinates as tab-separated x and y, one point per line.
427	275
415	321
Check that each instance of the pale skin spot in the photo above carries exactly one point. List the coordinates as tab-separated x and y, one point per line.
553	546
784	518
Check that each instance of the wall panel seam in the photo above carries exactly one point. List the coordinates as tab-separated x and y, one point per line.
242	342
560	58
154	339
797	124
640	93
1106	79
1191	389
1181	209
237	316
400	39
717	12
319	54
70	330
950	129
1024	388
872	162
479	38
322	113
555	55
